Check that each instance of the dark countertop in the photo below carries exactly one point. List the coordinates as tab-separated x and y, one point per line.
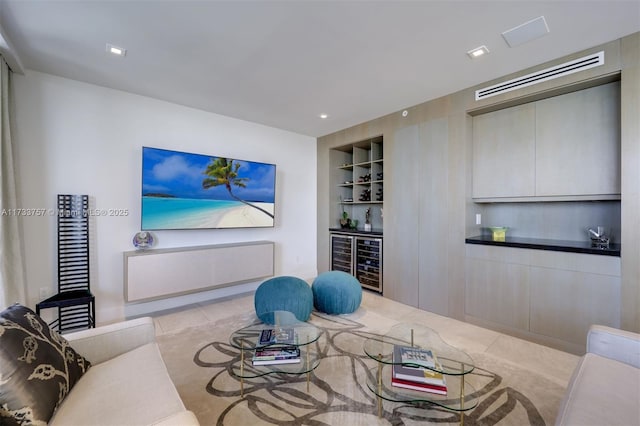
544	244
372	233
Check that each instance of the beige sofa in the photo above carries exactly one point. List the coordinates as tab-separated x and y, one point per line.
605	387
127	384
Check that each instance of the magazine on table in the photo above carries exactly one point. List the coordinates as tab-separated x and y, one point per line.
417	357
277	336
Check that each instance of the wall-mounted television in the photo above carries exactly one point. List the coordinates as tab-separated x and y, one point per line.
181	190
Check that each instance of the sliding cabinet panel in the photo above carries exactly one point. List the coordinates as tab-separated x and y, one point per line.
578	143
504	153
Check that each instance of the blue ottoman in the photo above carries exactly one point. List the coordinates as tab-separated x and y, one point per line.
283	294
336	292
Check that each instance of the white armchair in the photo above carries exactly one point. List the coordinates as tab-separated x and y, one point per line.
605	386
619	345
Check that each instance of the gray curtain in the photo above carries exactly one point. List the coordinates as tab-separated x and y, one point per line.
12	285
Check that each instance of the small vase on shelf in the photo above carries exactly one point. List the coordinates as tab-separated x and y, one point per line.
367	220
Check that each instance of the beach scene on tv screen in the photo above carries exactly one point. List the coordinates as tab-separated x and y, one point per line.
182	190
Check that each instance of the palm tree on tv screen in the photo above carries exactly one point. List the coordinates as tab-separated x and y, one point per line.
223	171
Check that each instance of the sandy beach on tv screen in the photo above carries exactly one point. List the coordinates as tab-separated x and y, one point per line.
245	216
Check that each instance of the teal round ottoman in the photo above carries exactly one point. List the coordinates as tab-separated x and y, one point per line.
283	293
336	292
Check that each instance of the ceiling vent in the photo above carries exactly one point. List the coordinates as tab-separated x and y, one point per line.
561	70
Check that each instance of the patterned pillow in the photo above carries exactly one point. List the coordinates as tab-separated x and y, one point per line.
38	368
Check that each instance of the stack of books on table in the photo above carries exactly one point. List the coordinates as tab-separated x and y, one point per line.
413	368
276	355
276	346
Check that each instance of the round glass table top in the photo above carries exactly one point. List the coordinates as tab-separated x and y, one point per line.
451	360
415	347
286	330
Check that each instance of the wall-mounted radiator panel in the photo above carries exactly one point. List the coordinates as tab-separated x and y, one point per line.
161	273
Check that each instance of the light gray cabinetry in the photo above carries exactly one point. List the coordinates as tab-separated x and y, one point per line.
578	143
562	148
161	273
504	153
549	296
402	243
498	291
417	237
566	300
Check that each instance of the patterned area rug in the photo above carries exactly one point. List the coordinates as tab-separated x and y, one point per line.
200	361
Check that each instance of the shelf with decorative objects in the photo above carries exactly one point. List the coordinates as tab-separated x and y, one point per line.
357	182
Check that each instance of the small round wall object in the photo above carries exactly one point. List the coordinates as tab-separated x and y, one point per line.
143	240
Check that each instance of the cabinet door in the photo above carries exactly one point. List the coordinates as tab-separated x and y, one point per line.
497	286
565	303
342	253
402	218
504	153
417	246
433	231
369	263
578	143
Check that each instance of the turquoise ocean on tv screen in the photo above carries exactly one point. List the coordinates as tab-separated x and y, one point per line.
183	213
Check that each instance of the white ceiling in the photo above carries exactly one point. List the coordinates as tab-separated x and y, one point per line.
283	63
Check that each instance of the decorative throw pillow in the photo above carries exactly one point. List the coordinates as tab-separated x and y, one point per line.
38	368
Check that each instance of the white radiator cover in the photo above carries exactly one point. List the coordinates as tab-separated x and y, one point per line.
161	273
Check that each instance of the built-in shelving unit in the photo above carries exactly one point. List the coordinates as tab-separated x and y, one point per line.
358	181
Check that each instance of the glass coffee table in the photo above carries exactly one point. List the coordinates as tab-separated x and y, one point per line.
452	363
247	340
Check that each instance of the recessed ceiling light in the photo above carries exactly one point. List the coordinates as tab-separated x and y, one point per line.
323	116
477	52
115	50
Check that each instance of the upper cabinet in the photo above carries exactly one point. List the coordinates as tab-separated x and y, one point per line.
562	148
578	143
504	146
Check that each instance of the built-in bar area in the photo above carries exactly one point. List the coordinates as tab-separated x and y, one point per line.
551	164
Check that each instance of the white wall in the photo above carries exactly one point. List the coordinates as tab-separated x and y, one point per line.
77	138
